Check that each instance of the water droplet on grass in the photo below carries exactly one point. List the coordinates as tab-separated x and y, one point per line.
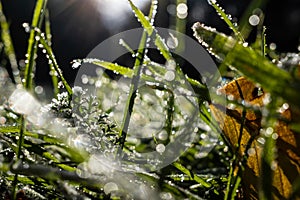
169	75
39	89
251	151
245	44
212	2
76	64
160	148
273	46
26	27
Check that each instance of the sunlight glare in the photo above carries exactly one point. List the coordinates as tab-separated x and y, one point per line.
115	12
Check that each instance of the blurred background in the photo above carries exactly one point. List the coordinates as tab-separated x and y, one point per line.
80	25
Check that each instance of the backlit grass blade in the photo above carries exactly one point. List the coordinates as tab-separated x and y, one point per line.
9	48
194	177
32	43
227	19
137	69
52	69
250	63
142	18
52	59
118	69
199	88
158	41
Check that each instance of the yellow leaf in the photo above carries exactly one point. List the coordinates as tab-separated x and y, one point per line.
242	128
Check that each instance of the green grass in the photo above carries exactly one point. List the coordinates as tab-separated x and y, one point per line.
48	162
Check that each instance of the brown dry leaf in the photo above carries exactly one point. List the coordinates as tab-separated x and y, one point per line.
288	157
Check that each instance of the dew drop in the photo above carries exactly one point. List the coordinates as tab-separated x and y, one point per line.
251	151
212	2
169	75
261	140
160	148
285	106
274	136
269	131
163	135
231	106
273	46
84	79
254	20
37	38
26	27
274	165
60	84
76	64
39	89
245	44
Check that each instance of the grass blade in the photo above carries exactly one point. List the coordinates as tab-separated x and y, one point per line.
32	43
51	57
199	88
250	63
9	48
52	69
191	175
158	41
227	19
136	75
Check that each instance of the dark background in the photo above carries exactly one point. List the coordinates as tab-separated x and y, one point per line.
77	26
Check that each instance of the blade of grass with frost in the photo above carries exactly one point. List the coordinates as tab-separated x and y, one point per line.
52	69
199	88
158	41
9	48
162	47
191	175
250	63
32	43
51	57
227	19
126	46
160	44
135	80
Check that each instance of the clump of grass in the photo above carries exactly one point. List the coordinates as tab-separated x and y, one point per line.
39	161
